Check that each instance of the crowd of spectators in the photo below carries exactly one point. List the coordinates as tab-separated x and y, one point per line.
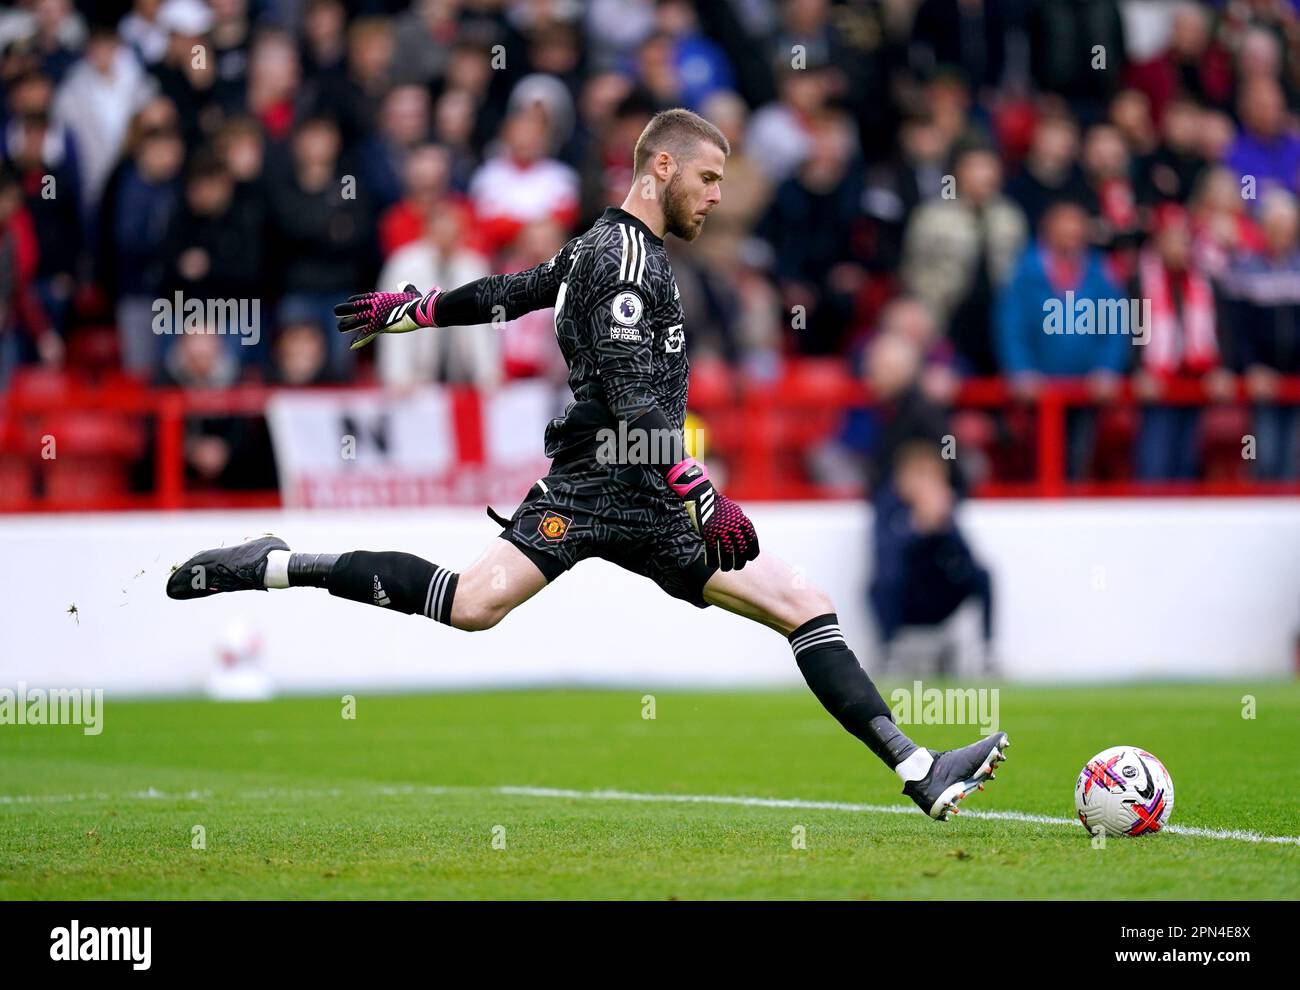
955	163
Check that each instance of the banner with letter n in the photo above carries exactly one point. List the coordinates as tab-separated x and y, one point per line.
435	445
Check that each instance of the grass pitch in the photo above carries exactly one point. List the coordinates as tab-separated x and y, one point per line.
509	795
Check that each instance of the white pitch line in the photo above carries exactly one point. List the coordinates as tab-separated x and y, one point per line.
267	793
874	809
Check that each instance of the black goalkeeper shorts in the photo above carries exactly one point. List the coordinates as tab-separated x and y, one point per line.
620	515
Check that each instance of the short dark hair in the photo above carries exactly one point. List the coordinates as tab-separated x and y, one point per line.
675	132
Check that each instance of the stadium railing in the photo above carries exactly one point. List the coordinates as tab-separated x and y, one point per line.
760	431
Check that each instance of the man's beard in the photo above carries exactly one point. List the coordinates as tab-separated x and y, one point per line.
679	220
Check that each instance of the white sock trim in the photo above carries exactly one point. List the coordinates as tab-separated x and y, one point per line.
277	569
915	766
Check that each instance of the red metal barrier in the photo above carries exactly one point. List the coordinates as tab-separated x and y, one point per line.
757	428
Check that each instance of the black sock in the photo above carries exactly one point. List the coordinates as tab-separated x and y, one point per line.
400	581
845	690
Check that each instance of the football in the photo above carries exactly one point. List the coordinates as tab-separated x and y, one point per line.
1124	791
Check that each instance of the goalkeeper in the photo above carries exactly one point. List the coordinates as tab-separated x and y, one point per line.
621	486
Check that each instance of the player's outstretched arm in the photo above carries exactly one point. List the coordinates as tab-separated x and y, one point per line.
492	299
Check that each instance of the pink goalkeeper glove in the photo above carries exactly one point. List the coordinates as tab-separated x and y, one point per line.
373	313
729	538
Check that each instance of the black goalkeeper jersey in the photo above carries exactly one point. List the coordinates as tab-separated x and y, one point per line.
618	320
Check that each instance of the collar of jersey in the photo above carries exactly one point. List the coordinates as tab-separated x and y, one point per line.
615	214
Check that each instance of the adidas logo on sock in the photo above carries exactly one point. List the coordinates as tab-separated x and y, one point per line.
381	596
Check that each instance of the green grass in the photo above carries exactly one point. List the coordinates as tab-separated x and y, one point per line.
298	802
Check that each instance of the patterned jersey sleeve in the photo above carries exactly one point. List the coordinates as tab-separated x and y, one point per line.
618	328
499	298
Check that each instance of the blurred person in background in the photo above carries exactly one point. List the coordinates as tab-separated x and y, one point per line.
424	34
300	355
780	134
1116	225
44	156
231	50
1183	345
1130	113
1171	171
214	244
324	237
1264	313
1221	225
959	252
1058	262
186	74
404	124
274	78
144	33
21	314
425	181
1051	170
323	38
896	186
453	130
229	452
147	198
1064	37
97	100
520	184
527	343
708	269
1267	148
924	571
818	264
462	354
354	98
698	63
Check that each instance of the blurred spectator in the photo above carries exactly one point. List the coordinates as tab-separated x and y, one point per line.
1172	169
300	356
1264	290
958	252
20	307
146	200
1182	343
902	412
780	133
698	67
1036	335
911	319
924	571
520	185
215	240
220	451
273	81
323	226
527	343
43	154
966	34
404	121
324	38
458	354
812	224
144	31
1221	226
1266	149
897	185
97	100
186	73
1077	50
423	34
1051	170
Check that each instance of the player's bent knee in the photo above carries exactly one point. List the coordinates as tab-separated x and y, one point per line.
803	604
477	615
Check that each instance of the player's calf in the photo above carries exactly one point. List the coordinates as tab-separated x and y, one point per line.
477	599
